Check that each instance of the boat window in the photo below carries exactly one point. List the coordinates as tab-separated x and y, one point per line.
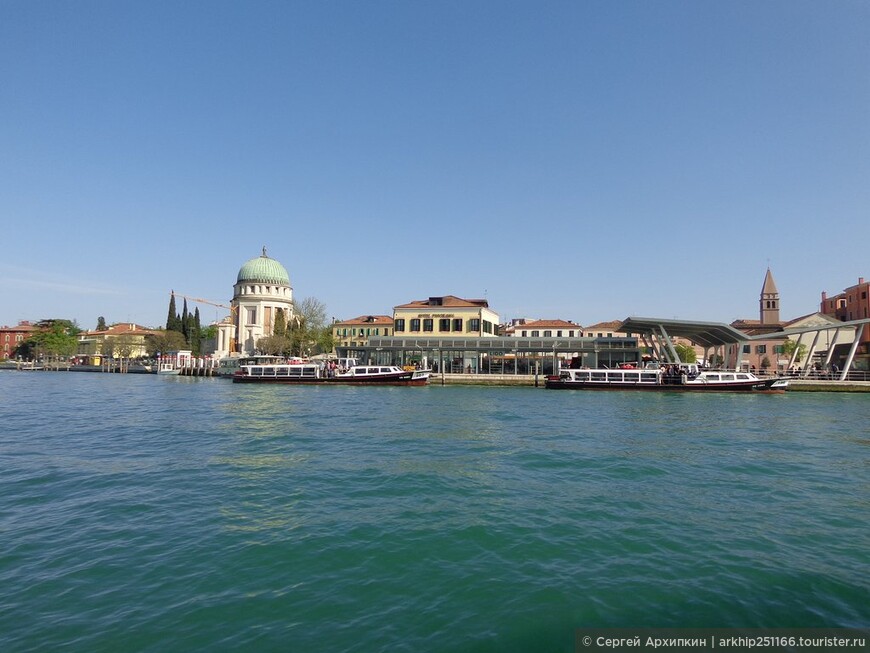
309	371
743	376
386	369
614	376
631	376
649	377
727	377
282	371
268	371
599	376
257	371
294	371
712	377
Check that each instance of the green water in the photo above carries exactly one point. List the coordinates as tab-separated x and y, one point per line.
141	513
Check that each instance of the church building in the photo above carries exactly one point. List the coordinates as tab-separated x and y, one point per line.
261	291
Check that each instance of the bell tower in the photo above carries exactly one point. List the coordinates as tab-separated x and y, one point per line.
769	302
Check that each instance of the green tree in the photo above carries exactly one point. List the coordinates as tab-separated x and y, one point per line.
185	323
196	331
55	339
173	320
164	341
280	328
305	328
789	346
325	340
107	347
125	345
686	353
274	345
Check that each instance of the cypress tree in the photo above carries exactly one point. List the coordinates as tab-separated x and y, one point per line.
171	317
196	333
185	323
280	328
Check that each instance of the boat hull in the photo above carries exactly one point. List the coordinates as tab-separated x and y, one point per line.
404	379
767	386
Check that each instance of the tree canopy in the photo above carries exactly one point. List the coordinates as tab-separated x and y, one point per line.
55	338
164	341
789	346
686	353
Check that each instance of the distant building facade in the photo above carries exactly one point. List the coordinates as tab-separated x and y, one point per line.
356	332
11	337
852	304
609	329
543	329
445	316
126	339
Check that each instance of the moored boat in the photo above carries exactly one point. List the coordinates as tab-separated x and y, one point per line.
168	368
670	378
313	373
227	367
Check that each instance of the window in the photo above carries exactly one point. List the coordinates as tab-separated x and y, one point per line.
536	334
761	349
558	334
415	324
444	324
487	326
474	324
428	324
778	349
399	325
548	334
252	316
457	324
525	334
747	349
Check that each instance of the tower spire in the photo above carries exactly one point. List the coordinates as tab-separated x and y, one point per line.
769	300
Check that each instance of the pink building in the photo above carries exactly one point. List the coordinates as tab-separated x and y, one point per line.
851	304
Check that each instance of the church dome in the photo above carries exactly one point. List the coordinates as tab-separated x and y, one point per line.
264	270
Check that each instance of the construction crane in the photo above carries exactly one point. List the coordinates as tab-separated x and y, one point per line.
199	300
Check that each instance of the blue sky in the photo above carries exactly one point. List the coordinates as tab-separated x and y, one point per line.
576	160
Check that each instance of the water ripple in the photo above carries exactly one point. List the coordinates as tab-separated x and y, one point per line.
149	514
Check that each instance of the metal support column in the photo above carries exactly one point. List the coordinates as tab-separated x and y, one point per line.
851	354
810	354
670	344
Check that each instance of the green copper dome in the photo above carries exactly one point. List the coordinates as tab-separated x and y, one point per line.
264	270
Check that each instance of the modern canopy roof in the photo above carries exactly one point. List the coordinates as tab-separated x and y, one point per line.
707	334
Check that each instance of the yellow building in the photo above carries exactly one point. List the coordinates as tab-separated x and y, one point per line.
124	340
445	316
355	333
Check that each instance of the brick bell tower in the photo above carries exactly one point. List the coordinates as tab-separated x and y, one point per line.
769	301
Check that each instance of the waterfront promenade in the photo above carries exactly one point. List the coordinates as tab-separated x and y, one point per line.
861	384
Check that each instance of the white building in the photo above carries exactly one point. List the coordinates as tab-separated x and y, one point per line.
262	289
